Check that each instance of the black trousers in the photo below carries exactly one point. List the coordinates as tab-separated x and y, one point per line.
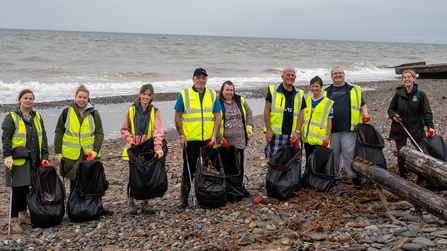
190	155
18	200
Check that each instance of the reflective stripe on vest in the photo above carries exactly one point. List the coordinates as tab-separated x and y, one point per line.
197	118
244	113
278	106
132	111
77	135
315	121
355	95
19	137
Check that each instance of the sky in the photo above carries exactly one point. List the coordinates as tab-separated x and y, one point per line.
408	21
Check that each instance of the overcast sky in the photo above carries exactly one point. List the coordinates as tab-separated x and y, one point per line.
412	21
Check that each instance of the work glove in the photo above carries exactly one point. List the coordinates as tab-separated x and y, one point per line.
159	154
94	154
224	143
58	158
325	143
9	162
366	119
397	118
430	132
44	162
249	130
132	143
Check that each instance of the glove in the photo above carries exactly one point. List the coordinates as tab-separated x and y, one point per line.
325	143
44	162
366	119
397	118
9	162
159	154
224	143
58	158
430	132
94	154
249	129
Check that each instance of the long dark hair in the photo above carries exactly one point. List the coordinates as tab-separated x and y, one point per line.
143	89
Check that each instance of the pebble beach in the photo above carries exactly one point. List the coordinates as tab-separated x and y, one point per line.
342	219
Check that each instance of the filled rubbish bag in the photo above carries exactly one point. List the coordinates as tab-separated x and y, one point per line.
231	161
284	174
85	200
148	178
46	198
320	170
209	181
437	148
370	144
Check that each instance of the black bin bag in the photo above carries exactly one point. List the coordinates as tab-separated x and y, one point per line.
437	148
148	178
209	181
370	144
231	161
284	174
85	200
320	168
46	198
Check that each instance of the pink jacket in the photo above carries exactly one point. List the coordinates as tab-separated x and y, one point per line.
157	134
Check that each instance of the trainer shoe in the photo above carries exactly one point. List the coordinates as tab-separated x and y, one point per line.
105	211
15	226
131	209
358	183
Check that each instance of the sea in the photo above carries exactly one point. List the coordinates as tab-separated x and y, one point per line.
54	63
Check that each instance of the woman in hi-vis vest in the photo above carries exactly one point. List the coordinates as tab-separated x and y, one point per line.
25	148
142	122
78	132
317	118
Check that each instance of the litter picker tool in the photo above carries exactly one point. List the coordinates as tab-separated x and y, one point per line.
409	135
10	203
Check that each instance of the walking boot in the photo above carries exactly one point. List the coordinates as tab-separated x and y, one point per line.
402	170
145	207
15	226
185	188
131	208
24	218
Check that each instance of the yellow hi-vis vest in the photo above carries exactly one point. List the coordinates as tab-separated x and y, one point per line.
278	106
315	121
19	137
77	135
198	119
150	128
222	122
355	95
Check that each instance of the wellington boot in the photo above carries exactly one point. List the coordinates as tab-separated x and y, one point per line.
185	188
24	218
15	226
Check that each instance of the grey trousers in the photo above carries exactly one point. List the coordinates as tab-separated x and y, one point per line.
343	144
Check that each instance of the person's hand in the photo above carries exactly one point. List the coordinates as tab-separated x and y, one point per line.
44	162
159	154
397	118
58	158
430	132
132	143
224	143
8	162
249	130
94	154
183	143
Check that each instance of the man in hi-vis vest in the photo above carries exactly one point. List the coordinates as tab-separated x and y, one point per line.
349	108
283	115
197	120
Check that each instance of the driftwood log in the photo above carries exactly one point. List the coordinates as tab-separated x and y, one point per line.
424	164
407	190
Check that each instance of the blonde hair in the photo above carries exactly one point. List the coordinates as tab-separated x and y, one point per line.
412	73
82	88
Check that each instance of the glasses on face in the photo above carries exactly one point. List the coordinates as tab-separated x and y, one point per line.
337	73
